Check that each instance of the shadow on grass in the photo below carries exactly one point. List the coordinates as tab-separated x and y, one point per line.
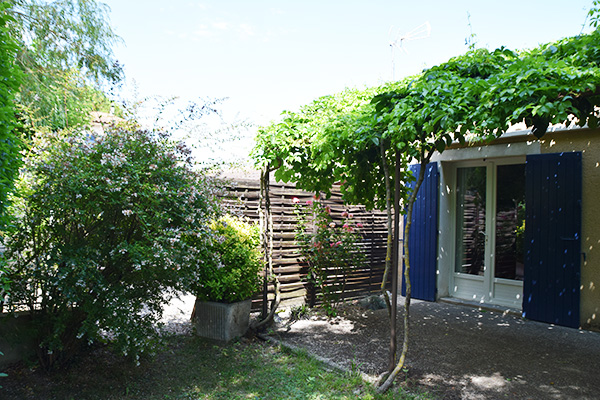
191	368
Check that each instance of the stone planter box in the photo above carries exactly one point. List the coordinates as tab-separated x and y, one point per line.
221	321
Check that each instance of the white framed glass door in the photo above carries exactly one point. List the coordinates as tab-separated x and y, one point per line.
489	232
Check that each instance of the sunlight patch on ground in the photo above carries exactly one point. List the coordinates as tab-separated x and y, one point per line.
433	380
472	387
494	382
177	314
341	326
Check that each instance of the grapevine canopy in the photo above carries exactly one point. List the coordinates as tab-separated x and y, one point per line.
474	97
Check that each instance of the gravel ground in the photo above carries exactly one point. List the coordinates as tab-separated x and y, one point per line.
177	314
459	352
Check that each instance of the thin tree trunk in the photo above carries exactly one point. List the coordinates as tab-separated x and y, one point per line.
264	177
388	253
394	300
409	210
267	244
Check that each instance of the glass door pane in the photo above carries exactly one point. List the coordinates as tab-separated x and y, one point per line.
510	221
470	226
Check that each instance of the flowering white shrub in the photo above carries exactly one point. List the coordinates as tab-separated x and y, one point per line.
102	232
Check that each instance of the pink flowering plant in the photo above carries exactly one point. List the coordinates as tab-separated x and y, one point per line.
103	232
331	249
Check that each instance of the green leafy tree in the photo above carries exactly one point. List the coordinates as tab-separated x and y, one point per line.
594	14
67	100
301	147
10	142
53	58
102	236
555	83
425	116
65	49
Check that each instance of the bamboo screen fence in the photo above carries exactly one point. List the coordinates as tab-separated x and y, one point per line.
243	199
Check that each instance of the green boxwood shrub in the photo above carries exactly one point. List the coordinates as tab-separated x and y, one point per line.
233	274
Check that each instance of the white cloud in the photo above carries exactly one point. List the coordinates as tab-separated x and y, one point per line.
211	30
222	26
203	31
246	30
214	29
178	35
277	11
199	5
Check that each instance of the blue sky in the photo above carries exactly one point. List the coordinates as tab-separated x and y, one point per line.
268	56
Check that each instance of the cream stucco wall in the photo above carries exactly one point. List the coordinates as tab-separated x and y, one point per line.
588	142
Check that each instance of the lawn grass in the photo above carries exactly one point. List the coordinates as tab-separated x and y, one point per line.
192	368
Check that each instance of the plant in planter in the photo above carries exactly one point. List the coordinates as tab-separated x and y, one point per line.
227	283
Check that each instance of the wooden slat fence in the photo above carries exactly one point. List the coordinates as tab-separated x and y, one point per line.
288	265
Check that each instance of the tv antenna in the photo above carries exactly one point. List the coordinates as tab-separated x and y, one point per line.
420	32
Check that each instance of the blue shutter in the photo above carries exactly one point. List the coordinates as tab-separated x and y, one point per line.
553	238
423	239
